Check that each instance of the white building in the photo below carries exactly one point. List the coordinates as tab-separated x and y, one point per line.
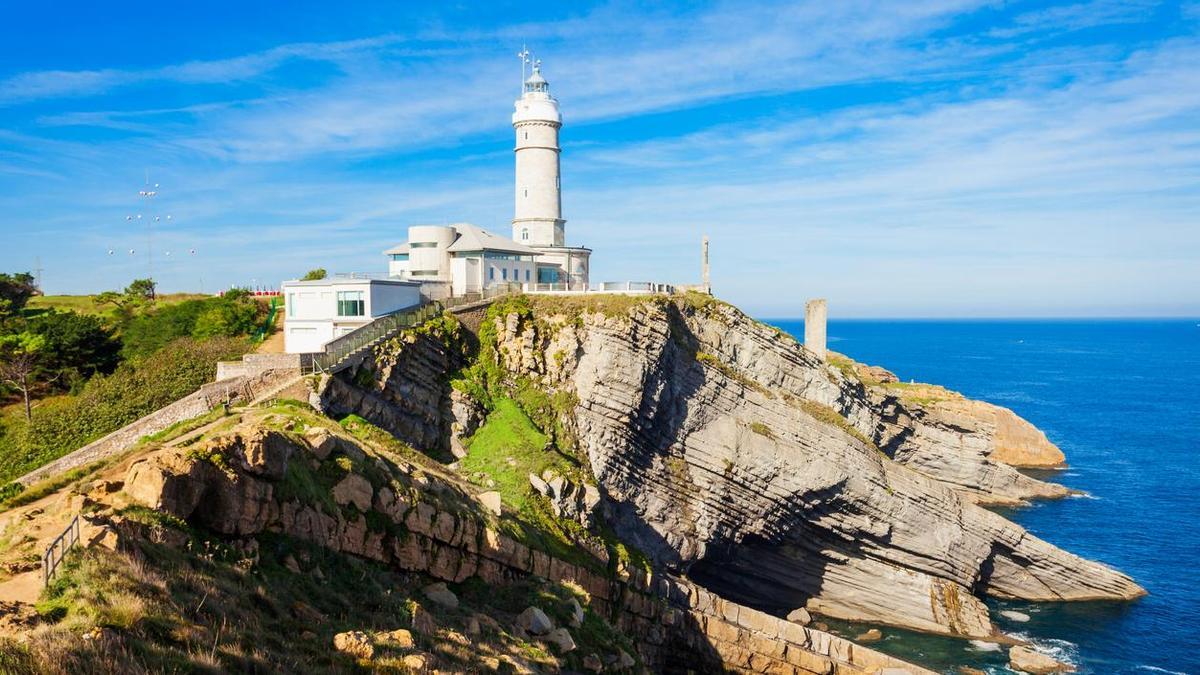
462	257
319	311
468	259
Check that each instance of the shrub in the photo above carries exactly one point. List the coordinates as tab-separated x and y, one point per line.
109	402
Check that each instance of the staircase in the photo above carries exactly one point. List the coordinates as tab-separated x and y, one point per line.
344	351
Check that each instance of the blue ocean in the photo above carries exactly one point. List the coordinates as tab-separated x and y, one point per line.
1122	400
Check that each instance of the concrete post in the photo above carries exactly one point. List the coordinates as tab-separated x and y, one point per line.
704	271
815	314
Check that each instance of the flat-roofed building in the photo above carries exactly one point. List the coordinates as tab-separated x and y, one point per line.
316	312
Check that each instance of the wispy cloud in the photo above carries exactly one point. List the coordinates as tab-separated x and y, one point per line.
927	157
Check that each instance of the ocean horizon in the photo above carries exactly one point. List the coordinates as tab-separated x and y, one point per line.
1123	404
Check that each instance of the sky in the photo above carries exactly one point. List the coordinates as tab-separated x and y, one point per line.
926	158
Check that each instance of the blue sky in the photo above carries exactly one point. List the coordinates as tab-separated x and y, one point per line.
921	158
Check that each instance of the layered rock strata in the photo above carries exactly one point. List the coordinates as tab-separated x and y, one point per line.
724	448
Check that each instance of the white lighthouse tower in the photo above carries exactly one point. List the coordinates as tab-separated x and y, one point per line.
537	219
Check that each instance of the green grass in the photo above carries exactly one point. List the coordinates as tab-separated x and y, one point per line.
823	413
507	448
86	304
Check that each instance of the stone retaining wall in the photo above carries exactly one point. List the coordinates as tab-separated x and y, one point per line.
678	626
255	364
241	389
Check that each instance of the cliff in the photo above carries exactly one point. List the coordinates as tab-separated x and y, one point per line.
726	452
280	541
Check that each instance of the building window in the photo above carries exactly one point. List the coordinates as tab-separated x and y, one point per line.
526	135
526	276
400	257
423	244
351	303
526	192
504	274
491	274
524	234
291	305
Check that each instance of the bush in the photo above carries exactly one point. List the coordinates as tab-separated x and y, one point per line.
109	402
77	346
233	314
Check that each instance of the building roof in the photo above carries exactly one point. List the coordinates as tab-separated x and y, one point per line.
474	238
347	280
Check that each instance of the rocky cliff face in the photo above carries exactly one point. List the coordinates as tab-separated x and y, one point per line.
725	450
351	496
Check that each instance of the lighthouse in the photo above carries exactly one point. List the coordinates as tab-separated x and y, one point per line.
537	217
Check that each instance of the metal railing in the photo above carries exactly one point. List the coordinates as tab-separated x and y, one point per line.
58	549
488	293
341	348
269	322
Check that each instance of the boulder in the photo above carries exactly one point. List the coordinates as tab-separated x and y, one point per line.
355	643
417	663
561	639
1026	660
873	635
423	622
399	638
440	595
490	501
800	616
258	451
321	443
592	663
577	614
1013	615
535	622
539	485
354	489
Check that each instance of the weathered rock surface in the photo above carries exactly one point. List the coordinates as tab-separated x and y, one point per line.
1025	660
725	448
674	623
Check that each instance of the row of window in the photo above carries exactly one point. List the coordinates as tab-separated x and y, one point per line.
504	274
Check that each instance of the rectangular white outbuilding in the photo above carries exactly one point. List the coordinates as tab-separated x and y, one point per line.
319	311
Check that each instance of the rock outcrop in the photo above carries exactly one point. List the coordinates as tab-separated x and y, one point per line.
430	524
725	449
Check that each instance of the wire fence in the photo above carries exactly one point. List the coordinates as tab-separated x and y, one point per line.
54	555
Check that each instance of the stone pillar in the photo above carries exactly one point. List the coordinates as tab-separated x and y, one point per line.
704	265
815	314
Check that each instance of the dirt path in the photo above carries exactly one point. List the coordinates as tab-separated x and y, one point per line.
273	344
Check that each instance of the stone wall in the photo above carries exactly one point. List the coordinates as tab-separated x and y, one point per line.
255	364
242	389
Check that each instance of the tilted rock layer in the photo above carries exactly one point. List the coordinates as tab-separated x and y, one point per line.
724	448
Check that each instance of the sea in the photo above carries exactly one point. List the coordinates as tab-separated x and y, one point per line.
1122	400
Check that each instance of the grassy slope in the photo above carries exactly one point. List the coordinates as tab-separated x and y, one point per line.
86	304
209	605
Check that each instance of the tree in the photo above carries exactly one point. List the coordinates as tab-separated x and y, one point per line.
19	363
314	275
15	291
142	289
77	346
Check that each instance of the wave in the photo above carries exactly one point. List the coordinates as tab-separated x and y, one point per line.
1156	669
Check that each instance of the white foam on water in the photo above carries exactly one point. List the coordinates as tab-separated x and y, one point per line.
1083	495
1013	615
1156	669
983	646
